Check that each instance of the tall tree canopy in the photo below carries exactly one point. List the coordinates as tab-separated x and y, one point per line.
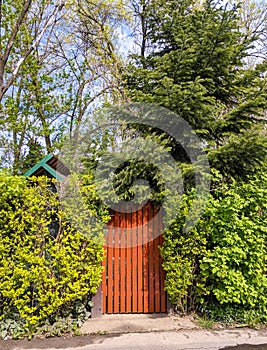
62	60
196	67
58	62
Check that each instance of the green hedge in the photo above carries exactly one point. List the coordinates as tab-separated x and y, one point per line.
221	263
43	274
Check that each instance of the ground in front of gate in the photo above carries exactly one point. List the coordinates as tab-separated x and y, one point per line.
137	323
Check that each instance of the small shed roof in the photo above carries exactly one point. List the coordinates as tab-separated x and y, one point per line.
50	166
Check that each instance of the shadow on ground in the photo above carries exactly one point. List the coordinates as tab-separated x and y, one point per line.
247	347
55	343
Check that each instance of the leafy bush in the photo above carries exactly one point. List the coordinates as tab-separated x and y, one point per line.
181	255
44	271
221	263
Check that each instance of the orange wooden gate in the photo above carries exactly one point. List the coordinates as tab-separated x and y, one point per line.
133	278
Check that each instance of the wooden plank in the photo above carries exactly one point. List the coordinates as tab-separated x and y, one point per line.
128	263
116	262
122	264
140	290
110	269
104	283
151	260
145	258
134	262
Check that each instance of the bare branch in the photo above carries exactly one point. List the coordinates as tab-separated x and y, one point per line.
33	46
15	31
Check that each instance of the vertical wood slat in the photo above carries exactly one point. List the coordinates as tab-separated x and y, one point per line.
134	262
145	259
140	279
122	261
110	270
151	278
128	264
116	262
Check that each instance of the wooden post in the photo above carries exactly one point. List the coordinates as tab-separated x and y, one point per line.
96	310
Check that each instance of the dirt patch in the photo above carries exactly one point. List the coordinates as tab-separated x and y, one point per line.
55	343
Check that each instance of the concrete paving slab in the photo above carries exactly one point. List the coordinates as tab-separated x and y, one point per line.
137	323
144	332
178	340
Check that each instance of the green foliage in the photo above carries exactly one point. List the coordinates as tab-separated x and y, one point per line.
181	254
195	65
44	273
232	314
205	322
221	263
56	73
138	165
196	68
235	263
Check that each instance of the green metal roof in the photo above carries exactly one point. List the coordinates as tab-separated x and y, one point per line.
50	164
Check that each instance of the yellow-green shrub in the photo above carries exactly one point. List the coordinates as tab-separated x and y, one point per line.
42	275
220	265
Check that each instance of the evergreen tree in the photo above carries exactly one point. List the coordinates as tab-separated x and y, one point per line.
35	154
196	68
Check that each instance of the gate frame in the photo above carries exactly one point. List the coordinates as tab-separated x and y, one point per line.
97	299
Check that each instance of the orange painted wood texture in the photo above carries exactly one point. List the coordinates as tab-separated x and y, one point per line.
133	277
